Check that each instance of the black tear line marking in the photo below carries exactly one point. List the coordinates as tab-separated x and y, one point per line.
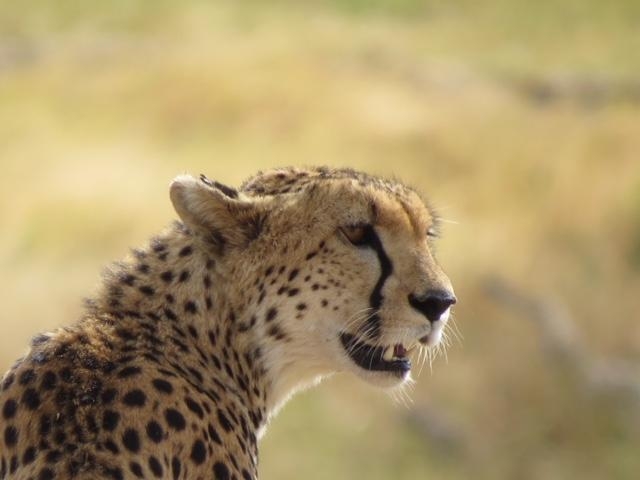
372	240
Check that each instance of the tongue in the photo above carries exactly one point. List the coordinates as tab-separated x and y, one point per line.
399	351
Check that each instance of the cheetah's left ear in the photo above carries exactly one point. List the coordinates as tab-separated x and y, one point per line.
218	214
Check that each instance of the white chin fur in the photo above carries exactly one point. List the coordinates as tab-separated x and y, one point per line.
383	379
437	328
445	316
434	337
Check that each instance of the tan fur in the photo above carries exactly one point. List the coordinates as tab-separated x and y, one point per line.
196	340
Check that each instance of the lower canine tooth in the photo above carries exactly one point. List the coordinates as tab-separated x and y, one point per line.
388	353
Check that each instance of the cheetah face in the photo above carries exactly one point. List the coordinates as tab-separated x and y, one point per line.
409	301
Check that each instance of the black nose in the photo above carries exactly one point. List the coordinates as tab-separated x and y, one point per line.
432	304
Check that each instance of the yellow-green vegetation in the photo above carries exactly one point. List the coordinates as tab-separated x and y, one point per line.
520	119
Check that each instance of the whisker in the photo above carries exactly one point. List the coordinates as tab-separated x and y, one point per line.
455	330
422	358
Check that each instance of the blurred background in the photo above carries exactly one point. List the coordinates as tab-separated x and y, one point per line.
519	119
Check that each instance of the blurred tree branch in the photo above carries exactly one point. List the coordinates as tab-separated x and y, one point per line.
616	379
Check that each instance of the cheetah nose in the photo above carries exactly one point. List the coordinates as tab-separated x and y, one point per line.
433	304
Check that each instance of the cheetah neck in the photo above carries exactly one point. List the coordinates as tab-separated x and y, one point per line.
175	290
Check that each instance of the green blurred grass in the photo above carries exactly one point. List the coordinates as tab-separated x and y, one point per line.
519	119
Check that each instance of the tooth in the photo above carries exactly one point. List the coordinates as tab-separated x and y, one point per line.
388	353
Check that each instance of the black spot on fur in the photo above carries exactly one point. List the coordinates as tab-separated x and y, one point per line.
162	385
192	331
60	437
115	473
143	268
10	436
190	307
45	474
9	409
49	380
128	279
134	398
272	313
112	447
30	399
131	440
224	421
108	395
29	456
213	434
175	419
130	371
147	290
194	407
175	468
221	471
154	431
157	245
155	467
276	332
185	251
136	469
166	276
53	456
170	315
293	274
45	426
13	465
27	377
110	420
198	452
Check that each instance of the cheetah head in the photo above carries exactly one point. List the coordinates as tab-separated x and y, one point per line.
338	266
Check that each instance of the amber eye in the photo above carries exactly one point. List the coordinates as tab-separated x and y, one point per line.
358	235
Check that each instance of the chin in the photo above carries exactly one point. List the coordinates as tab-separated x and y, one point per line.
383	380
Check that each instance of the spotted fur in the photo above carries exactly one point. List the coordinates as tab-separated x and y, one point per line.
196	340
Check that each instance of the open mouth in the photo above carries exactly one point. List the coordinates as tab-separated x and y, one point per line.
391	358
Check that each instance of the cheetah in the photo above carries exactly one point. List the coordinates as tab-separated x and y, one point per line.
194	342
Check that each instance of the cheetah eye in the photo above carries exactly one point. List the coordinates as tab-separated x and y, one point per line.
358	235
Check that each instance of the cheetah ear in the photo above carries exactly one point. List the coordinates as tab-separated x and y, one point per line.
216	213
